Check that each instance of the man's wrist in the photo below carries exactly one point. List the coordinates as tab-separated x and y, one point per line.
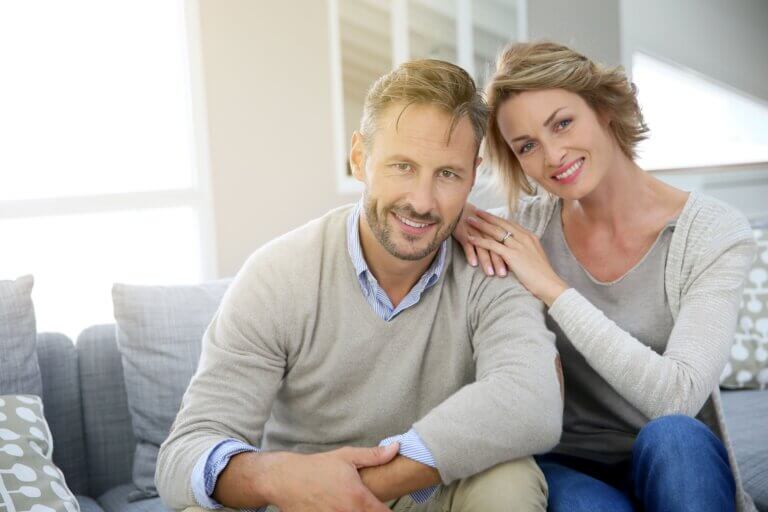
248	480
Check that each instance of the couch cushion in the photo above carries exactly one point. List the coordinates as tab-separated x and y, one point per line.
109	437
160	331
746	414
88	504
29	477
19	370
117	500
63	407
748	364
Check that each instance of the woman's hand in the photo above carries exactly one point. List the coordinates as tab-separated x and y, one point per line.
521	251
491	263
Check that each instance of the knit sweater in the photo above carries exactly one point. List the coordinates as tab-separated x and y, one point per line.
709	256
295	359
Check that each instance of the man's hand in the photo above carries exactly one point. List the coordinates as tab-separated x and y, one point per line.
400	477
296	483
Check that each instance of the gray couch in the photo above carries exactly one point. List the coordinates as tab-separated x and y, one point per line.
87	409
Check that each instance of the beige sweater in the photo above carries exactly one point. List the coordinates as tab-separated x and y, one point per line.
710	254
295	359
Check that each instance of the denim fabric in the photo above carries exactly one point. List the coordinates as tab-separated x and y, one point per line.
677	464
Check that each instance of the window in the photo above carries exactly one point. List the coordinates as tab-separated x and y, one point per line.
370	37
100	173
695	121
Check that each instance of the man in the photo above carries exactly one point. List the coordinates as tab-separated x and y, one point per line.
366	324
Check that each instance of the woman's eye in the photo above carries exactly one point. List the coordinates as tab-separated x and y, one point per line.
526	148
564	124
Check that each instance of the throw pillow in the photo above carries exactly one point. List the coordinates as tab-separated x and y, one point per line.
29	480
748	365
159	333
19	369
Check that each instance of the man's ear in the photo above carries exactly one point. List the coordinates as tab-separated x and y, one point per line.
357	157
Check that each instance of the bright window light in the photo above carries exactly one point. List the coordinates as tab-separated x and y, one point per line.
694	121
98	168
76	258
95	98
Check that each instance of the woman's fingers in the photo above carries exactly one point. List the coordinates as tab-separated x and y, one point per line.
501	223
487	228
499	267
470	252
483	255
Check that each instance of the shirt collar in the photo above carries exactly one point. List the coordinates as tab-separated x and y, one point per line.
361	266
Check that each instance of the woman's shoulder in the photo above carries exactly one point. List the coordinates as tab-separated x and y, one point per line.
706	230
707	221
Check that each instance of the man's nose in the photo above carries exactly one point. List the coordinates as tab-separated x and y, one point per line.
423	195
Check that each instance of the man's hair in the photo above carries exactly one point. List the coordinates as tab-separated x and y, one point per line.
426	82
544	65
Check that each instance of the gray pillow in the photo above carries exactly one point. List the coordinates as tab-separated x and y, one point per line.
28	476
19	369
747	367
159	333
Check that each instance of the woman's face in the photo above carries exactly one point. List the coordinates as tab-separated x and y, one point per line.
559	140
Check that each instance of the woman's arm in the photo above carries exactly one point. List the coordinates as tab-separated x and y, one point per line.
679	380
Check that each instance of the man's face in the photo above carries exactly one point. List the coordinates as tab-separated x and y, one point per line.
416	179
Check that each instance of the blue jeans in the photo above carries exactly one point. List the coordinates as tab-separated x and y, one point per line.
677	463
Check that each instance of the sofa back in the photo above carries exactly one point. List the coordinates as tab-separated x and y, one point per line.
87	409
62	406
109	440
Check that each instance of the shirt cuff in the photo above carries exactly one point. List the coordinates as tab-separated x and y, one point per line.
210	465
413	447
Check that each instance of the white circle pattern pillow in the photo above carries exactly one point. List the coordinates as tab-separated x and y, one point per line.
748	364
29	480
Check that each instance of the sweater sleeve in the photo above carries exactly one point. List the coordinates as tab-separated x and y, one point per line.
513	408
242	345
679	380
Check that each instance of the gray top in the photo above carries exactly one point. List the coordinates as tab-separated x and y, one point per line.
295	359
598	423
710	252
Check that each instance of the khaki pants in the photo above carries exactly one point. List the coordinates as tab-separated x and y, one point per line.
510	487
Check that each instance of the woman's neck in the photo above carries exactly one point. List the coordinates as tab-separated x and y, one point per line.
622	196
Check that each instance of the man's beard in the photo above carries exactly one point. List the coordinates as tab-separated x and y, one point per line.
382	230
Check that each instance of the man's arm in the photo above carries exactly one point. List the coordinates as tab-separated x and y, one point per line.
514	408
230	396
400	477
316	482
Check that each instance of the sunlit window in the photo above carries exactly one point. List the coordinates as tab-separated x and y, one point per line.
98	169
696	121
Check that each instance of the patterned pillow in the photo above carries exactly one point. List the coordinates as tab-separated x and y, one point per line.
748	365
29	480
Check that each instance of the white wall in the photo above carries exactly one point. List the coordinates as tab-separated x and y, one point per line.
266	68
589	26
724	39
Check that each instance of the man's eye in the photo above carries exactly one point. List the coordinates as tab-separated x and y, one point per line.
445	173
403	167
526	148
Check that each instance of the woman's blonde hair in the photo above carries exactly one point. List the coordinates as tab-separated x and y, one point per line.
545	65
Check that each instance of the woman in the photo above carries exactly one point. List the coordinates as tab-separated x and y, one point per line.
642	282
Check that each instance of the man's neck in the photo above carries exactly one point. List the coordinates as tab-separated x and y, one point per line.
395	276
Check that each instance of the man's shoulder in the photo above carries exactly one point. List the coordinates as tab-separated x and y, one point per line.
301	248
472	283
